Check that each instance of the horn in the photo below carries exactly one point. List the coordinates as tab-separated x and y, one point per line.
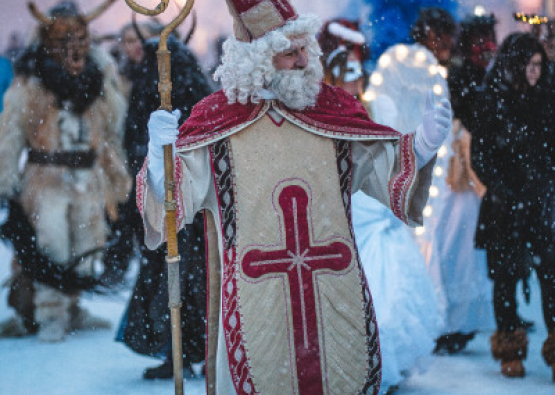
136	28
98	11
38	15
193	28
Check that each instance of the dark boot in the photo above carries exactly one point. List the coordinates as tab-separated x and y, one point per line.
511	348
460	342
164	371
548	352
452	343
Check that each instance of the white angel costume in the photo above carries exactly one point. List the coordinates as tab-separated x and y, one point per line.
458	270
404	298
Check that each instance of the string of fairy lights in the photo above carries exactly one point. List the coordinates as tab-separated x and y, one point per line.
401	54
530	19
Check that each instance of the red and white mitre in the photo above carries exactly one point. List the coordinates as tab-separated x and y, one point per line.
254	18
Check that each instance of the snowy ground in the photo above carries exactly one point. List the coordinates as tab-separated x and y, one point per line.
91	363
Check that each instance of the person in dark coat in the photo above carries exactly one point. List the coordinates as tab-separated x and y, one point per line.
512	153
145	326
476	47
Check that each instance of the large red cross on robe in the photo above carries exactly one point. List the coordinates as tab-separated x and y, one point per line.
300	260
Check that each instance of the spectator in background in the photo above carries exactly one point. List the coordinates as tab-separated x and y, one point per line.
131	41
513	154
145	327
344	52
545	32
459	270
132	69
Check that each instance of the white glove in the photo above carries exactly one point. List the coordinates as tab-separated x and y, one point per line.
436	124
162	130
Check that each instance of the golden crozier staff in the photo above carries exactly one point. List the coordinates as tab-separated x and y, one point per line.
172	257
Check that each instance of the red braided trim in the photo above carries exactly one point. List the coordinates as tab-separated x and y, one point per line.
401	184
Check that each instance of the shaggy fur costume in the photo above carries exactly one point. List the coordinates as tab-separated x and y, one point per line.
509	346
66	206
548	350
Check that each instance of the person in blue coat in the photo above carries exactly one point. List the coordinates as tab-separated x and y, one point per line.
6	76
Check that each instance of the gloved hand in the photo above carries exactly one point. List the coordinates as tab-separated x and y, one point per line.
162	130
436	124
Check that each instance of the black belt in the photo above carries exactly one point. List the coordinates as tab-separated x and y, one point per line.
72	159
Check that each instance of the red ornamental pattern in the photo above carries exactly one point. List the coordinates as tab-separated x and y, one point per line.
141	185
401	183
336	115
299	260
236	353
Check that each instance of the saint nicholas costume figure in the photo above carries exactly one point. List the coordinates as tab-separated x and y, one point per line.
274	159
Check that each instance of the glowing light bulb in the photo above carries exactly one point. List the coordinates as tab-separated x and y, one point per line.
420	56
434	191
369	96
384	61
401	52
442	71
427	211
432	70
376	79
438	89
479	10
442	151
438	171
419	231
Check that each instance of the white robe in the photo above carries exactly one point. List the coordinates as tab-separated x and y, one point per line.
403	287
373	166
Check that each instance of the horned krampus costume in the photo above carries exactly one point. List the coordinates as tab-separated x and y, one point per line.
64	108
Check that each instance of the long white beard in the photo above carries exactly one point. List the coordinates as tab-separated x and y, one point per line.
297	89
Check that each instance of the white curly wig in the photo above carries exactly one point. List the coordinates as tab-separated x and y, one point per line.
247	68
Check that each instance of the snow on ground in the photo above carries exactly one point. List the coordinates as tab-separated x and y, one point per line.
91	363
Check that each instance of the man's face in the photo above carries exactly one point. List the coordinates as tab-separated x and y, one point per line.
440	45
132	46
67	42
297	74
295	57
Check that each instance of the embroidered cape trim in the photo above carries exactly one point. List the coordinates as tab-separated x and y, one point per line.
336	114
